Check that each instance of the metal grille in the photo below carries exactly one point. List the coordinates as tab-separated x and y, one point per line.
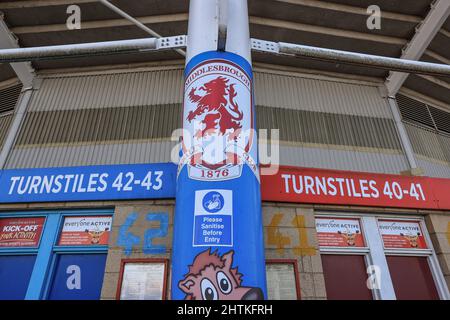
417	112
414	111
441	119
9	97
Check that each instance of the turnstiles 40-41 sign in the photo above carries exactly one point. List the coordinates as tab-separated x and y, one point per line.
218	123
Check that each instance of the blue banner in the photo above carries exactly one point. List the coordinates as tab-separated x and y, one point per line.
104	182
218	251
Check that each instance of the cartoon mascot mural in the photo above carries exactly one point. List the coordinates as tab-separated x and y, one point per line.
212	277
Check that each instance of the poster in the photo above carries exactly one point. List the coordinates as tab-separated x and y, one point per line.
339	232
82	231
280	280
21	232
143	281
398	234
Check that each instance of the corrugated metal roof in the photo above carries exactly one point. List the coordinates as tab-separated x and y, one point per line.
128	118
110	91
300	93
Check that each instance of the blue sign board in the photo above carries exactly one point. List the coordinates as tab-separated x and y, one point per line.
105	182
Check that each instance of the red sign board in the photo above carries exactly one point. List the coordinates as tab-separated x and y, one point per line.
20	232
82	231
303	185
398	234
339	232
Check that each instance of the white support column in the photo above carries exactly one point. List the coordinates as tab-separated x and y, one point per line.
439	12
238	34
378	258
24	70
403	135
203	14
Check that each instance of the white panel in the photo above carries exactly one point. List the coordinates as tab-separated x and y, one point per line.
433	169
129	153
375	162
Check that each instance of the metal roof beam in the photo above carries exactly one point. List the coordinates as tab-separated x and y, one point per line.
353	58
425	33
91	49
136	22
24	70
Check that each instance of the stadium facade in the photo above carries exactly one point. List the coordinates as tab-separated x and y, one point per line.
359	207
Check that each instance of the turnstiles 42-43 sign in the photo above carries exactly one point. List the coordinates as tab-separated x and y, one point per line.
104	182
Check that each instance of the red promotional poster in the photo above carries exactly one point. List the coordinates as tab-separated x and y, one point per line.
339	232
398	234
85	231
305	185
20	232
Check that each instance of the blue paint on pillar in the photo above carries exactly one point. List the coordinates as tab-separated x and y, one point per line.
218	250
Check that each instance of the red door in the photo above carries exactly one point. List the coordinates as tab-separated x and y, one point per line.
345	277
412	279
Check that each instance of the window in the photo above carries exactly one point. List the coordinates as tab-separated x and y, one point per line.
371	257
408	257
345	277
77	276
281	274
15	274
412	278
344	256
53	254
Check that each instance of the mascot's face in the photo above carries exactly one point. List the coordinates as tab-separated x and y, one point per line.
218	283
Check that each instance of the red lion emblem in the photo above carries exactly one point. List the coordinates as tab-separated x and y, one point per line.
218	119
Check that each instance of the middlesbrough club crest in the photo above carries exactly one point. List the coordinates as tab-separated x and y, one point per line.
218	121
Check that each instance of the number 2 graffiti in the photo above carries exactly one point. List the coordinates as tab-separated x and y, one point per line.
128	240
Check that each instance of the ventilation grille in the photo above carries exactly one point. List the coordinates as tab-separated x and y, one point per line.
417	112
441	119
9	97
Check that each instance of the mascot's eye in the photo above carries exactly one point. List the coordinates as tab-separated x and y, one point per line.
224	283
208	290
